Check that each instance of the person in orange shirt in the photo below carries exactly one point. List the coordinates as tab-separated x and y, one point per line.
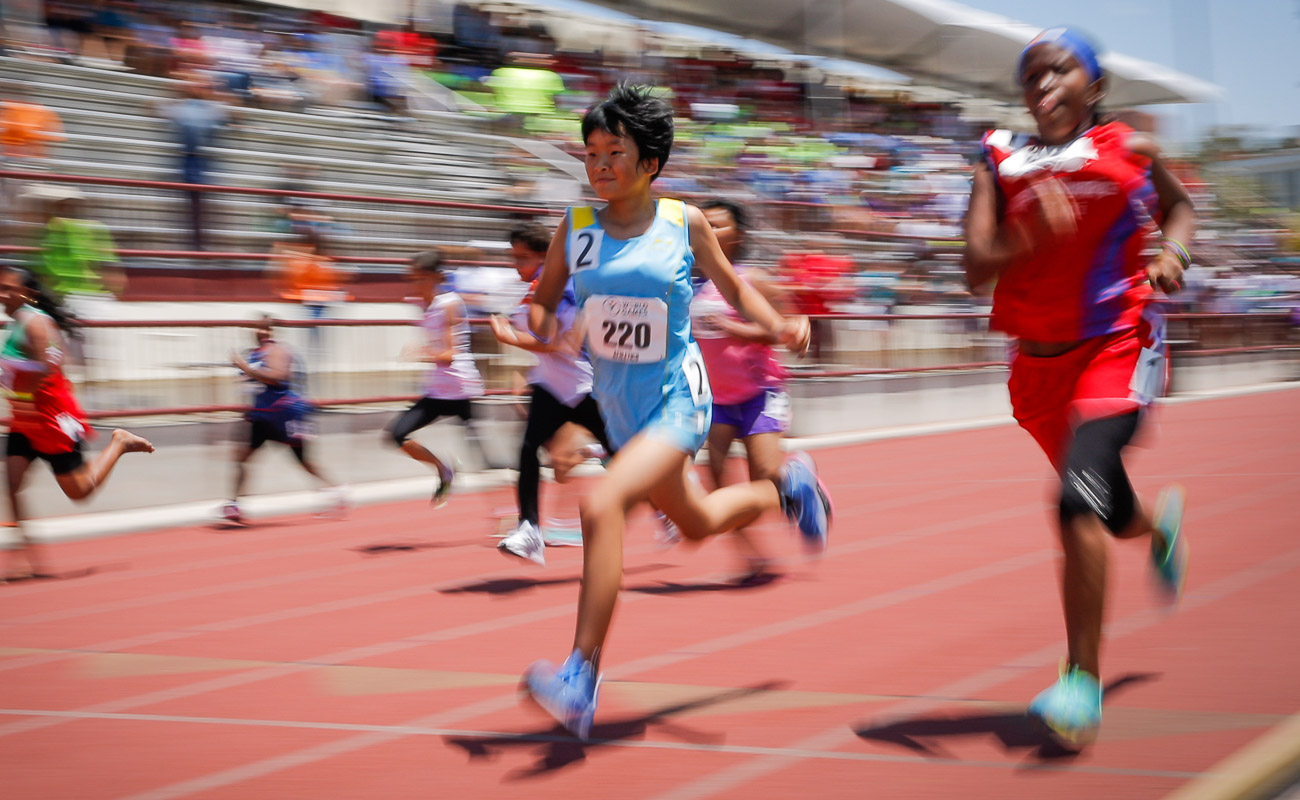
308	276
26	127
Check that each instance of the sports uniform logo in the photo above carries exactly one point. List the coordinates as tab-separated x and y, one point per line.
1070	157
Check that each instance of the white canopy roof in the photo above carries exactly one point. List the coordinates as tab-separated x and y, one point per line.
935	40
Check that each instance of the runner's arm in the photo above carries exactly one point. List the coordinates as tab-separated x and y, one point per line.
793	332
550	287
42	346
1165	271
273	372
989	246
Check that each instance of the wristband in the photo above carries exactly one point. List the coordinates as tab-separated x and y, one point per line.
1180	252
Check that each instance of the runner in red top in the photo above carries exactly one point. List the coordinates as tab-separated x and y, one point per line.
47	422
1063	224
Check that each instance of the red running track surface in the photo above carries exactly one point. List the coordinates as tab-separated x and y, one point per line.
378	656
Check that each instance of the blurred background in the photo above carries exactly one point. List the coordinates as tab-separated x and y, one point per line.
175	169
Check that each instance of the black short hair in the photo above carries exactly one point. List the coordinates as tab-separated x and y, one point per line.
532	234
633	111
736	210
428	261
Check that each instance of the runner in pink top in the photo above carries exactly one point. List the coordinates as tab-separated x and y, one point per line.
749	399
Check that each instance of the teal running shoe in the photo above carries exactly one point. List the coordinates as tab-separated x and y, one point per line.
568	693
805	501
1169	551
1070	711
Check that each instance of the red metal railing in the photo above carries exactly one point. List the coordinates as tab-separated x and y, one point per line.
45	177
1254	333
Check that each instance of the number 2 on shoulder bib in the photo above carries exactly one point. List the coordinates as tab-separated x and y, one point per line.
631	330
584	249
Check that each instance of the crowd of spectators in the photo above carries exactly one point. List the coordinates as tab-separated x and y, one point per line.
865	162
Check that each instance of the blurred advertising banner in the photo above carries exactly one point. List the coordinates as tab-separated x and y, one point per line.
387	11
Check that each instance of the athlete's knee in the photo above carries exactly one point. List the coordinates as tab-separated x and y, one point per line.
602	506
78	487
394	436
1100	487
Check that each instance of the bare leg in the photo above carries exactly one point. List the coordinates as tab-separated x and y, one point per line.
700	514
28	556
83	482
422	454
241	471
300	453
719	445
1083	589
649	468
628	480
763	451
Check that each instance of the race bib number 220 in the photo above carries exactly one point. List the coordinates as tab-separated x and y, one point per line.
631	330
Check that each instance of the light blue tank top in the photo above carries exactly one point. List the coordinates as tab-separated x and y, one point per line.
635	295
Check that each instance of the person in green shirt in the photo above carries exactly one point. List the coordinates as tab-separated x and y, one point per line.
77	255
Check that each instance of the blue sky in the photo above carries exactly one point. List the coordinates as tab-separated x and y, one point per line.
1254	50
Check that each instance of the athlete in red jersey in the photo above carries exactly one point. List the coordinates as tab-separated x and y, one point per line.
47	422
1063	224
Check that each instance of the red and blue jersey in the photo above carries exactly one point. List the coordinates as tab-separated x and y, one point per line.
1093	282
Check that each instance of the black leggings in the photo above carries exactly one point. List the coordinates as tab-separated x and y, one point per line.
1094	481
425	411
546	415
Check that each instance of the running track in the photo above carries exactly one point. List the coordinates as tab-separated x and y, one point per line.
378	656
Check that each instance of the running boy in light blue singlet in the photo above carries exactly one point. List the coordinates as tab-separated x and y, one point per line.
635	295
630	263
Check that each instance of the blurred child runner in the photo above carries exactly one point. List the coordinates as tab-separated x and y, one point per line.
631	268
280	413
560	384
1062	222
47	423
749	398
453	379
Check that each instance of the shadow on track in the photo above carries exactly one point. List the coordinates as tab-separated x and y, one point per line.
1012	730
556	748
505	586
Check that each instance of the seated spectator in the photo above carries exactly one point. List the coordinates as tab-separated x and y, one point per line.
110	31
383	78
189	49
69	24
26	127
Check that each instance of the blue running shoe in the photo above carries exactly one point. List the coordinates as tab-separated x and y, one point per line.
1070	710
805	501
569	693
1169	553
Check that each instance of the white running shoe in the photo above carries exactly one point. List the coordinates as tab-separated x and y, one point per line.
337	502
230	513
526	543
668	535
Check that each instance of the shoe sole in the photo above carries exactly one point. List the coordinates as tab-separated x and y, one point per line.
1068	739
529	700
508	553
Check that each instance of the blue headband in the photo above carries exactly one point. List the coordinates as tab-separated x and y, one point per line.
1069	40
